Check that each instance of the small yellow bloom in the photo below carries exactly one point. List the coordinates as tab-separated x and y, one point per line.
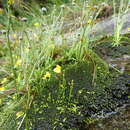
2	88
62	86
36	24
15	35
18	63
4	80
47	75
19	114
14	97
57	69
90	21
10	2
128	29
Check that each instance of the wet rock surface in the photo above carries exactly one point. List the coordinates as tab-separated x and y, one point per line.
118	117
119	120
117	57
108	26
106	104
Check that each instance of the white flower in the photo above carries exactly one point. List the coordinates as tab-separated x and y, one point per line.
62	6
44	9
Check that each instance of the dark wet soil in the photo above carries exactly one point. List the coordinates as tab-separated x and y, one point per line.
118	59
116	121
114	114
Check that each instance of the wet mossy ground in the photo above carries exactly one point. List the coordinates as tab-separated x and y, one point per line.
106	47
119	120
73	101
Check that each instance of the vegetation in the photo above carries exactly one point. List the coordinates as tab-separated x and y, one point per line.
47	77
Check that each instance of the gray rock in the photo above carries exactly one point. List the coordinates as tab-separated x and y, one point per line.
100	29
109	26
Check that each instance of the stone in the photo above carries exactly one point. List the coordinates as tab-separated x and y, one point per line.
108	26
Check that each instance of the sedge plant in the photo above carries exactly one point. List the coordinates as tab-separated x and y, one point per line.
123	9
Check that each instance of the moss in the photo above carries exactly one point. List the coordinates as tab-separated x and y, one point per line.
67	94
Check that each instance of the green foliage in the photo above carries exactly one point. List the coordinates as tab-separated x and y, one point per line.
57	98
46	81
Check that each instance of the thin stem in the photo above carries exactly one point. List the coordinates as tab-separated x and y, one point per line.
9	47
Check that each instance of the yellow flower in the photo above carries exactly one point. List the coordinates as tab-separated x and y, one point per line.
47	75
10	2
15	35
18	63
62	86
19	114
90	21
57	69
14	97
36	24
128	29
4	80
2	88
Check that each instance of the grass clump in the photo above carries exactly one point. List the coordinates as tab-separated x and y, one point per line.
51	90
